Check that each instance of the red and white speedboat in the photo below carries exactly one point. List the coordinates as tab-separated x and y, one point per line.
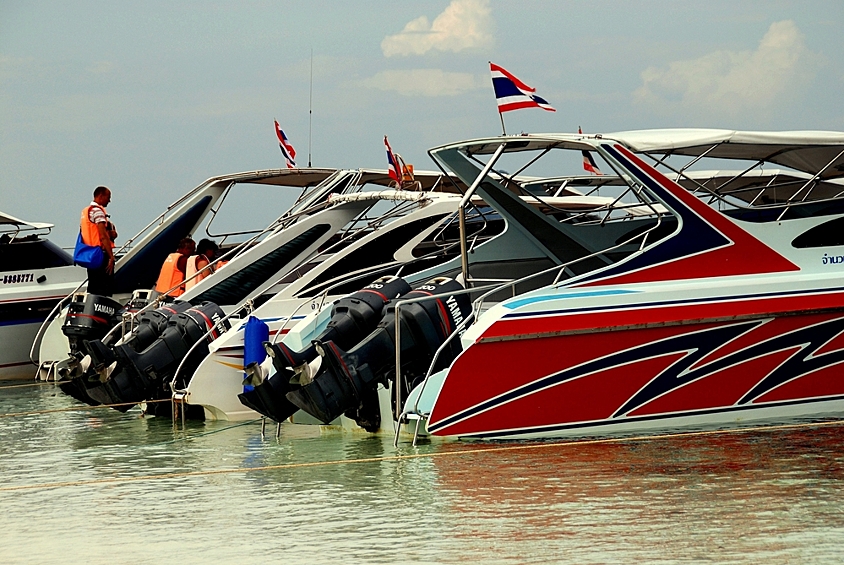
730	310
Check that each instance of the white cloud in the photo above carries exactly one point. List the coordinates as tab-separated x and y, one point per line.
735	82
424	82
464	24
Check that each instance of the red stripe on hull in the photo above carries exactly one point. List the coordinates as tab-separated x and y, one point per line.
588	398
835	344
828	381
487	370
494	386
723	388
770	329
629	315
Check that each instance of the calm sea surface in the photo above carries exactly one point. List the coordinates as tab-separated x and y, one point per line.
758	497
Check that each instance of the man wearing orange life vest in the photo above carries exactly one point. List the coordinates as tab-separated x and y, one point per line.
94	225
173	270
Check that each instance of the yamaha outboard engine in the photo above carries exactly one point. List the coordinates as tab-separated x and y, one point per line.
90	316
145	374
347	381
353	317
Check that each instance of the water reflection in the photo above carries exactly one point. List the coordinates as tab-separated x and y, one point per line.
771	496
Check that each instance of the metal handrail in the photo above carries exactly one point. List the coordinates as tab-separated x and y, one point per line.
46	323
225	318
324	294
399	303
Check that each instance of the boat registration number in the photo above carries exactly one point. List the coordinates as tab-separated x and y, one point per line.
18	278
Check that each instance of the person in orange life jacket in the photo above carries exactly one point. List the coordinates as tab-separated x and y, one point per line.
94	225
174	269
206	251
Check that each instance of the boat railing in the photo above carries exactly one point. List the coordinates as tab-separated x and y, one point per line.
458	330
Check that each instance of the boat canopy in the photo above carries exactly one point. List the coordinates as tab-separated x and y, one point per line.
806	151
300	178
7	220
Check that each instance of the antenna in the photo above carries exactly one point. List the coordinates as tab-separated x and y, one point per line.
310	107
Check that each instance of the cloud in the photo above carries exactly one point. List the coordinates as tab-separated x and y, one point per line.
735	82
464	24
424	82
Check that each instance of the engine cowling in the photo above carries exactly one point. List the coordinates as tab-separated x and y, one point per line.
353	317
145	373
347	380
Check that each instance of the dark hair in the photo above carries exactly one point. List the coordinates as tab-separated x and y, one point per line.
205	245
185	242
100	190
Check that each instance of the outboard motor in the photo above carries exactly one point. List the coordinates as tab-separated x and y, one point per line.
353	317
145	374
150	325
347	381
90	316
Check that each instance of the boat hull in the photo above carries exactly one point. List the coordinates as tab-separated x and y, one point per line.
23	308
565	375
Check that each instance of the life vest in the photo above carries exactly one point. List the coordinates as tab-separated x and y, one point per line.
90	233
171	276
191	271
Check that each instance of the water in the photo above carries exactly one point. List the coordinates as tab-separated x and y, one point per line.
759	497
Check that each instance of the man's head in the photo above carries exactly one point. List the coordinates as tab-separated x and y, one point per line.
102	196
186	247
207	247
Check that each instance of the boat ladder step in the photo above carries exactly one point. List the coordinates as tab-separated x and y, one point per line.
47	371
179	403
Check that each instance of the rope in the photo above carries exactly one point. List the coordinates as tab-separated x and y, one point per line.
79	408
460	452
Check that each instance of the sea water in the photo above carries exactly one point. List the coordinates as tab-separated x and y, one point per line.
186	496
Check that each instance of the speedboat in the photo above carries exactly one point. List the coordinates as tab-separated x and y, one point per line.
140	258
35	275
734	315
251	274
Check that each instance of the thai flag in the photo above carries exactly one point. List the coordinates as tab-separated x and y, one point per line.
285	146
513	94
392	163
588	162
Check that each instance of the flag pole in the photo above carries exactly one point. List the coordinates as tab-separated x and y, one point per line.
501	117
310	107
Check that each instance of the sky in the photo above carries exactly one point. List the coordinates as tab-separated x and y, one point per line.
152	98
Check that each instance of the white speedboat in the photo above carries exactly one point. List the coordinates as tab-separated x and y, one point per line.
202	208
35	274
734	315
315	227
